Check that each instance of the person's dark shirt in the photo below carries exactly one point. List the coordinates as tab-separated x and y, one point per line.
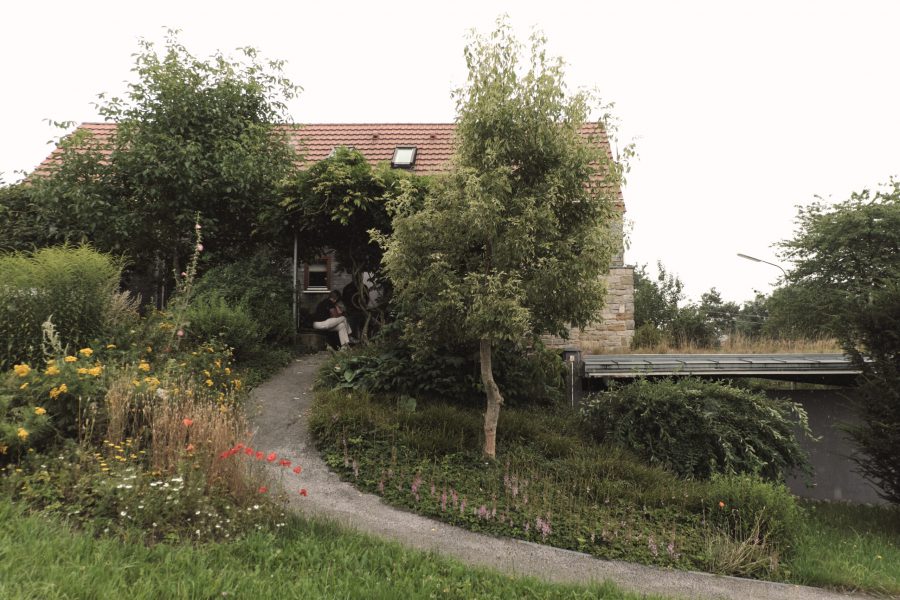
323	310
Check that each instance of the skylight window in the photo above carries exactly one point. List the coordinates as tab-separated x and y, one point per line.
404	157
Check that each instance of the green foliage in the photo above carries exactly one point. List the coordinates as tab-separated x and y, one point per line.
75	287
19	228
340	205
212	317
388	365
514	240
849	254
656	302
551	484
261	284
111	492
55	562
192	135
699	428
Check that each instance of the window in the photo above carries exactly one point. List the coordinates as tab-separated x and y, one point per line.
317	276
404	157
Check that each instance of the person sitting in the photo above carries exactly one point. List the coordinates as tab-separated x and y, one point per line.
329	316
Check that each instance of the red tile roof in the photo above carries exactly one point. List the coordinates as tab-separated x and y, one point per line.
376	141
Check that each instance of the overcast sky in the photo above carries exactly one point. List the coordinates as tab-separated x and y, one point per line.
739	112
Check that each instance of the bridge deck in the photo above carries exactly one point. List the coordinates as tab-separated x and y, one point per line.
738	365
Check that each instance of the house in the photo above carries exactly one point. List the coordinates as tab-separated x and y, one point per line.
426	148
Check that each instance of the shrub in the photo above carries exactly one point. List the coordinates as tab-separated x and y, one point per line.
212	317
389	366
75	286
698	428
261	285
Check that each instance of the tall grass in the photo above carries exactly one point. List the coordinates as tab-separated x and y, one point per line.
739	344
76	286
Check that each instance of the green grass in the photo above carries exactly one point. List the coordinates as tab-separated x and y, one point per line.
849	547
600	500
42	559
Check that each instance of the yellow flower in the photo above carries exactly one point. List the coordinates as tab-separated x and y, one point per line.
218	363
23	386
85	352
82	370
38	410
110	346
22	370
227	371
209	382
95	371
51	370
62	389
149	348
3	448
152	381
23	435
70	359
237	384
144	366
135	382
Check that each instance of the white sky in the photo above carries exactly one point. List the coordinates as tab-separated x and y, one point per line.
739	112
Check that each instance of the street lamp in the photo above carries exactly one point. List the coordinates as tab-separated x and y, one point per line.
754	259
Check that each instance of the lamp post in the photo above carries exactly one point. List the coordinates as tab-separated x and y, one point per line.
754	259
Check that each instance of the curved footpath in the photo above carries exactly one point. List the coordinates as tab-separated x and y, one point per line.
280	408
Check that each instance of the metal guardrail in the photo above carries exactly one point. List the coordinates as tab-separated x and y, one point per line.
740	365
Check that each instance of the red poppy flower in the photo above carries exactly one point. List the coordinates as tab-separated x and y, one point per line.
263	489
303	491
248	451
271	457
190	448
297	469
226	454
187	422
239	447
284	462
259	455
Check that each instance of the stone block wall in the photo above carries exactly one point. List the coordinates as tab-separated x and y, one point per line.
614	330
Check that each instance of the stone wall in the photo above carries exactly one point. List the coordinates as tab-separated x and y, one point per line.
614	330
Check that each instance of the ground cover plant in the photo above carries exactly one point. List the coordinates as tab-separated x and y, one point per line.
554	484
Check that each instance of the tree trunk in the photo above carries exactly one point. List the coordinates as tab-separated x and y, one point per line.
494	400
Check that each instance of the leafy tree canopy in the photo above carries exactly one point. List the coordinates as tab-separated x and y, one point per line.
848	256
192	136
515	239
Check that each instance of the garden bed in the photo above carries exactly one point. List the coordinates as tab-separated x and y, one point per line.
551	484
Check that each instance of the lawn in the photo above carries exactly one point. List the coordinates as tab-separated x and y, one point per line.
43	559
552	485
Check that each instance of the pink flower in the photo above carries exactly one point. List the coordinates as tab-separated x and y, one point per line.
262	489
184	273
199	247
197	226
180	333
190	448
187	422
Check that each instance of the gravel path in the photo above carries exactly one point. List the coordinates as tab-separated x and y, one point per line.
280	408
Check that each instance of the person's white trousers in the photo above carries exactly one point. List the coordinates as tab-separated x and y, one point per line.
338	324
